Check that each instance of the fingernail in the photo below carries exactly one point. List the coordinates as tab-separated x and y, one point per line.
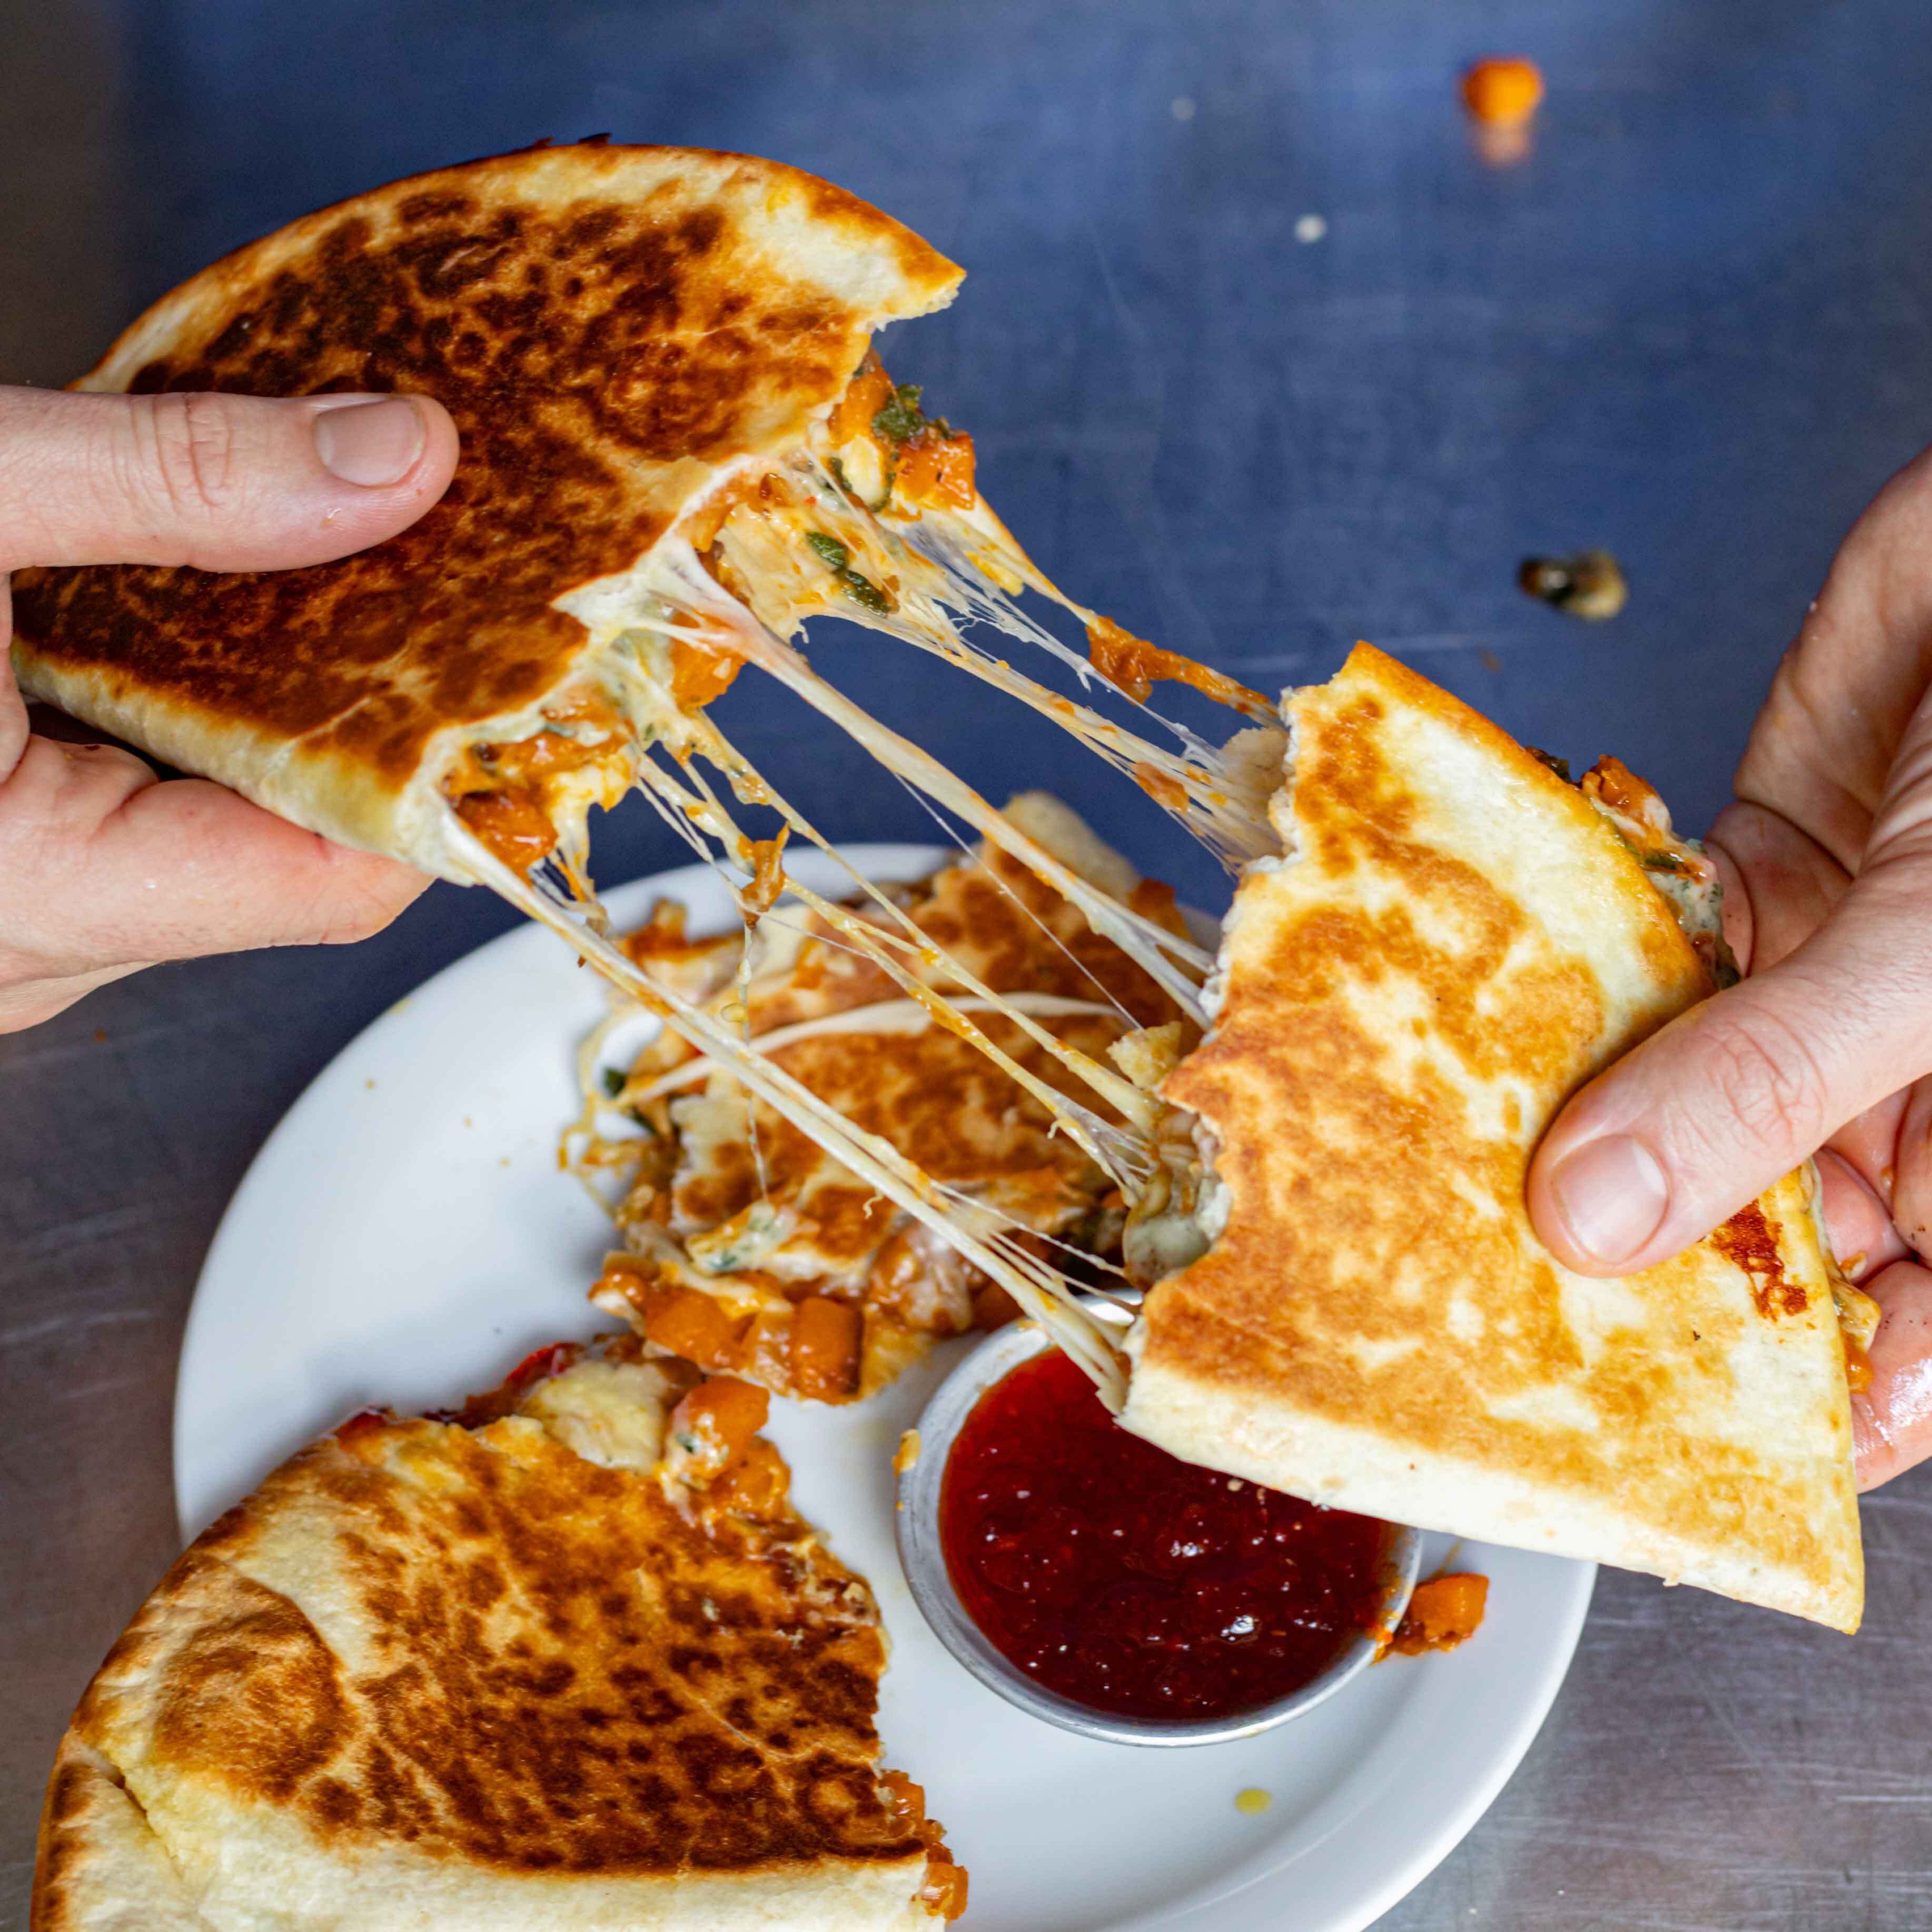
1612	1195
370	443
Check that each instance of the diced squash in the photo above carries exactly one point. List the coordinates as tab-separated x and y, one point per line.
757	1485
688	1322
825	1336
1442	1613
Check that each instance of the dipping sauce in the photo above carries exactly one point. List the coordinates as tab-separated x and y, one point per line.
1135	1583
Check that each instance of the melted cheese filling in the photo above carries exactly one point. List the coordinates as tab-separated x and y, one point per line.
877	520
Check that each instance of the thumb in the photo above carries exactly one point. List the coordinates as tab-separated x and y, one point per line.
1710	1112
221	482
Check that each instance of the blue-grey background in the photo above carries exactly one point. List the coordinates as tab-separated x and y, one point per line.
1692	324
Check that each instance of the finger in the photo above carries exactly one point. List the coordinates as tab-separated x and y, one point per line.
140	872
1735	910
28	1004
1708	1113
1779	888
1857	1223
13	726
220	482
1869	1143
237	878
1912	1171
1891	1420
1822	748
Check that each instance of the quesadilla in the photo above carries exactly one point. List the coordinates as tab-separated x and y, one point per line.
678	447
751	1251
565	1658
1349	1303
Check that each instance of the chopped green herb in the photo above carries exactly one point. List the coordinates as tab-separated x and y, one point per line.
1560	767
901	417
838	560
614	1078
1663	861
863	590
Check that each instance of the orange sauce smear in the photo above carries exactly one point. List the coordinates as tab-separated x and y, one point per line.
498	790
1160	786
944	1891
869	390
699	672
768	878
1132	665
510	826
825	1343
936	469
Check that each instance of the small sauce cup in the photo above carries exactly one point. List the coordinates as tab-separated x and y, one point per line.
922	1556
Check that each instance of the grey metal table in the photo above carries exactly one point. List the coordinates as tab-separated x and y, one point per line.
1695	324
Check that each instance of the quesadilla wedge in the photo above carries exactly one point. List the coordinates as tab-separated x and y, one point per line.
565	1658
751	1251
1350	1303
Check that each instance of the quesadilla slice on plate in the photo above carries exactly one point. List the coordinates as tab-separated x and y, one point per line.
1349	1301
749	1249
566	1657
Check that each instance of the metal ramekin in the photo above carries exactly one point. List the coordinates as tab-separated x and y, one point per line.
917	1527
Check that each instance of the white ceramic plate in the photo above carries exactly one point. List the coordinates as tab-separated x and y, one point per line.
405	1237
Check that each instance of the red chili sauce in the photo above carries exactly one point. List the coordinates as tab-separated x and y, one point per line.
1133	1582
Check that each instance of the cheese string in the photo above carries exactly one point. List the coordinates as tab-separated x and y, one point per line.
1120	1156
1145	942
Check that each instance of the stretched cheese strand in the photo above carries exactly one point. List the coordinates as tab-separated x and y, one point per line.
1204	792
1145	942
717	751
895	1016
1122	1157
1122	1095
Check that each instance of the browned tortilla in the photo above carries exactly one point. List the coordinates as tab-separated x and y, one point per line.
1455	941
612	329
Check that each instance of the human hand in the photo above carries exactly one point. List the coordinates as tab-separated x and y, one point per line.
102	869
1826	859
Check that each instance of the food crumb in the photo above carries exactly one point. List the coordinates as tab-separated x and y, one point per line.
1590	586
371	1084
1503	93
907	1459
1445	1611
1253	1800
1182	107
99	1036
1310	228
1489	660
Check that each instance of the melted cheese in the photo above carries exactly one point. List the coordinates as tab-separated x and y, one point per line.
895	537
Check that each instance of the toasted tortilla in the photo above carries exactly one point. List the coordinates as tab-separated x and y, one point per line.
1456	940
506	1675
616	331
